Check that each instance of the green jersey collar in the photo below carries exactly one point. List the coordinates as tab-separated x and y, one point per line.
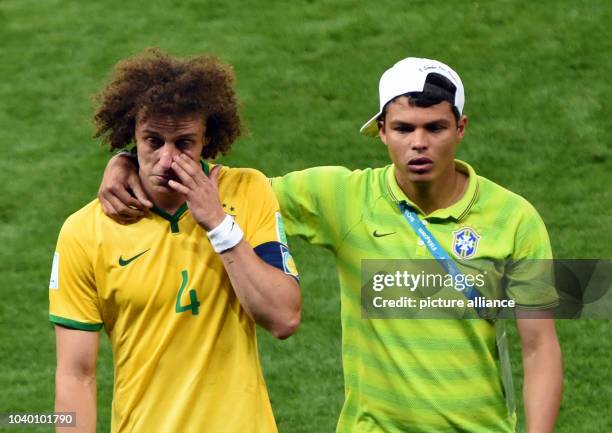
205	167
457	210
173	219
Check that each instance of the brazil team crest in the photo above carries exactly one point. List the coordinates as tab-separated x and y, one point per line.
465	242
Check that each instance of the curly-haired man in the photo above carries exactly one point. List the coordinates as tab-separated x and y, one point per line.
178	292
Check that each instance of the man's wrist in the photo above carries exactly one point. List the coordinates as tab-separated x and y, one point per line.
226	235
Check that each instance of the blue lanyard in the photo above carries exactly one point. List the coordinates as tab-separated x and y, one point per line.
436	250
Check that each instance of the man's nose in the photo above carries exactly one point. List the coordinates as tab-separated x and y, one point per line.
420	140
168	152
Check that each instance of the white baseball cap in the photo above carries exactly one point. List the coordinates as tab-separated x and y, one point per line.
410	75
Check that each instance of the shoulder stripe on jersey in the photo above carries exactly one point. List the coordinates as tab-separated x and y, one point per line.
390	191
471	203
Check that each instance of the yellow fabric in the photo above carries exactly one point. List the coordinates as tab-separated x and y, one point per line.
174	371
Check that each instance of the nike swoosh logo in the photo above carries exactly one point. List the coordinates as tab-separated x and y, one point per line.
380	235
131	259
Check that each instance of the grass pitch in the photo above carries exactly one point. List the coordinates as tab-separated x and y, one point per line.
538	99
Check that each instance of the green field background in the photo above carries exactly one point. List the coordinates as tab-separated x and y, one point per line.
537	77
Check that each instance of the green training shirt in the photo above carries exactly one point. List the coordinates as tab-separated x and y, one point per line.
406	375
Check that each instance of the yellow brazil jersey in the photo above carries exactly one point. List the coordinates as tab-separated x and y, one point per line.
184	350
402	375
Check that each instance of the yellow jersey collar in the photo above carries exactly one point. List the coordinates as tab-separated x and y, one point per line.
457	210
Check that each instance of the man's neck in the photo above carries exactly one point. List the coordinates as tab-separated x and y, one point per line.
165	199
169	201
168	204
439	194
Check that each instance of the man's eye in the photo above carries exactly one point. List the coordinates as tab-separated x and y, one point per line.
435	127
404	129
183	144
154	141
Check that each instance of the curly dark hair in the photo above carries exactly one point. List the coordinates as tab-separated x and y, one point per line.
154	83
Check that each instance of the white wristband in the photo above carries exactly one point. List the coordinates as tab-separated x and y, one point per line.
226	235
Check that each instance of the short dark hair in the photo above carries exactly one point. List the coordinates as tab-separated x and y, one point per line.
437	89
154	83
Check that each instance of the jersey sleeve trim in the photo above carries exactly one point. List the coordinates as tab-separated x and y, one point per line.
534	307
69	323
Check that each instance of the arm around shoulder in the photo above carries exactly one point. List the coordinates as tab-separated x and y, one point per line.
311	202
121	193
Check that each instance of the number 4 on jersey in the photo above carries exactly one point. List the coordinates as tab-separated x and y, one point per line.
194	305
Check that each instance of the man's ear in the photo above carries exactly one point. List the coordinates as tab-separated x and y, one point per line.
382	133
461	126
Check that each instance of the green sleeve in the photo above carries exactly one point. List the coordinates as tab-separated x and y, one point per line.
314	204
530	270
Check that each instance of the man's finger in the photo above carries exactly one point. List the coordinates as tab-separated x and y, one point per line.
189	165
111	211
126	220
178	187
214	174
127	200
141	196
107	207
186	179
124	210
114	208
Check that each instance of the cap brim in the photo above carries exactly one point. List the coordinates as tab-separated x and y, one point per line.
370	128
